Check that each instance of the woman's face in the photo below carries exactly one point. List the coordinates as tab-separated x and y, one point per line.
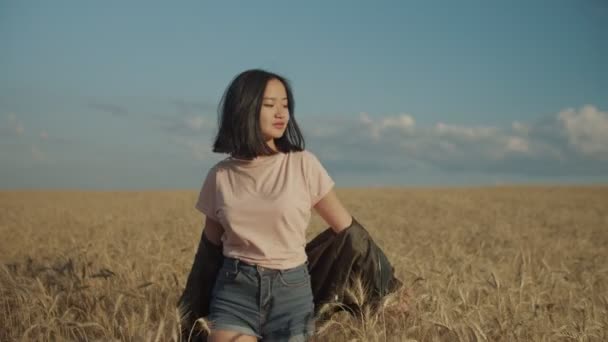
274	110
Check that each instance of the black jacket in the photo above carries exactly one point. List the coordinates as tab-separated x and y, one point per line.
334	260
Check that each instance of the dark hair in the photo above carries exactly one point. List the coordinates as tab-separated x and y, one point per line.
239	130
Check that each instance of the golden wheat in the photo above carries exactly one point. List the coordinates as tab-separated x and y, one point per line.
479	264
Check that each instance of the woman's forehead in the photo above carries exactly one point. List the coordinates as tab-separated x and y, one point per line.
274	90
274	98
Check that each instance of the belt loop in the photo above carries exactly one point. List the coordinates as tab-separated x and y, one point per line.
236	264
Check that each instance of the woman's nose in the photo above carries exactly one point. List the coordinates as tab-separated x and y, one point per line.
280	111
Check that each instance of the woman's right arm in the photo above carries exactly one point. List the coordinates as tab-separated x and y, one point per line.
213	231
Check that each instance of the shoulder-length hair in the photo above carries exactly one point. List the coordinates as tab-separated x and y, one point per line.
239	131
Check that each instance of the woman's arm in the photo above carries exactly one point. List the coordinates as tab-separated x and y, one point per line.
333	212
213	231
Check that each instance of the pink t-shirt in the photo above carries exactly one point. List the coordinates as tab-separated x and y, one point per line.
264	205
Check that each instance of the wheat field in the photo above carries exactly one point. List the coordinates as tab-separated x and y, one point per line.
479	264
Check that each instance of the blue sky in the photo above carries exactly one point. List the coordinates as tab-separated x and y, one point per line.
123	95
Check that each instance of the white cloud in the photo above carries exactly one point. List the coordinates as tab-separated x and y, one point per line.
37	154
364	118
323	131
195	123
189	126
447	146
587	130
520	128
401	123
465	132
517	144
198	149
539	147
14	125
374	130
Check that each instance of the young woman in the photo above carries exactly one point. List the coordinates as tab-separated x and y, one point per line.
257	204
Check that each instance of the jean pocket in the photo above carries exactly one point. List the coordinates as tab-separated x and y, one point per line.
295	277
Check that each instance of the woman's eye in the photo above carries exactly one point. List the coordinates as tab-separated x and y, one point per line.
268	105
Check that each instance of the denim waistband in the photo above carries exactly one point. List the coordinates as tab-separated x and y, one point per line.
235	263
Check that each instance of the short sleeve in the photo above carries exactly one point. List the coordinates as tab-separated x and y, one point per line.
206	202
318	179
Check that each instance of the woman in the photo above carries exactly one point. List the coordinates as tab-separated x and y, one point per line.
257	205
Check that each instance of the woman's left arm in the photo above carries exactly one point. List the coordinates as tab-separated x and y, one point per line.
333	212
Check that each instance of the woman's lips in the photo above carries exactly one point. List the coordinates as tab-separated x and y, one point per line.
279	125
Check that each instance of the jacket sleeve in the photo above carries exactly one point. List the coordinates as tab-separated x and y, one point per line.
336	259
194	301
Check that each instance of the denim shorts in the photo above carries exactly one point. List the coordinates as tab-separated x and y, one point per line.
273	305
